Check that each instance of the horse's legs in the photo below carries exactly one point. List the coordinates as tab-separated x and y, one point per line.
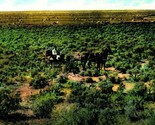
104	64
89	64
98	65
101	65
83	64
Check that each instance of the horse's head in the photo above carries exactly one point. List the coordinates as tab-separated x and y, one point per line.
109	49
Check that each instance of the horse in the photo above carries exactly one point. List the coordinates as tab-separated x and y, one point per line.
77	56
103	57
86	58
99	58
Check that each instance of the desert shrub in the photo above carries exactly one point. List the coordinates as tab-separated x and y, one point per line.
52	73
89	80
62	78
44	104
118	80
106	86
9	101
1	84
95	72
72	114
139	89
86	116
135	100
107	116
63	114
39	81
122	120
70	84
115	79
112	79
56	88
134	108
71	67
110	63
104	72
151	119
67	115
94	105
82	73
122	66
88	72
91	72
151	91
10	81
144	77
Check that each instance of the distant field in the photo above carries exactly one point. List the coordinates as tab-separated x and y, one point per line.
45	18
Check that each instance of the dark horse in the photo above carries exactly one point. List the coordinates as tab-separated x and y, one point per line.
77	56
99	58
86	58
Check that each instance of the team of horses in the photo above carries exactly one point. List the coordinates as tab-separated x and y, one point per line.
86	58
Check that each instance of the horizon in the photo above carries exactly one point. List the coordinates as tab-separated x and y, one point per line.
72	5
125	10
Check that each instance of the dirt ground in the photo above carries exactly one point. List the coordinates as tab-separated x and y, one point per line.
27	91
128	86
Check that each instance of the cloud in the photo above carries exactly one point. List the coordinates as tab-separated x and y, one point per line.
11	5
6	4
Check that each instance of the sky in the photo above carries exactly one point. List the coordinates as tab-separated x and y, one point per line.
21	5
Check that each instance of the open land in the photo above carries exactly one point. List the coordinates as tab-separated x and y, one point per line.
46	18
73	86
